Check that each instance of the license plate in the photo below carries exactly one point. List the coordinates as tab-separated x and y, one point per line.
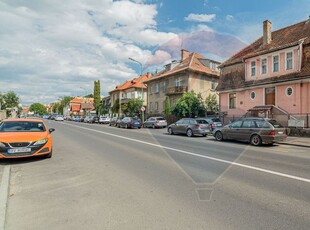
280	132
19	150
137	123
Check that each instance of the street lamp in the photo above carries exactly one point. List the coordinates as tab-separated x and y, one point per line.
141	68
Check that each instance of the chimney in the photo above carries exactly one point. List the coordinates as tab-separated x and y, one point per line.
267	32
184	54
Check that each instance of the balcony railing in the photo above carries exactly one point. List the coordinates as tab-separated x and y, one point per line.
177	90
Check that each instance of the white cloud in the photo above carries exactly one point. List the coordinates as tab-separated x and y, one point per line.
229	17
52	49
201	27
200	17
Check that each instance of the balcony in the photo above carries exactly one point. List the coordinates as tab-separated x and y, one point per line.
177	90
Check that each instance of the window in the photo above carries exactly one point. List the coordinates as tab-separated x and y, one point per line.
253	95
289	91
213	84
178	82
132	95
151	89
264	66
248	124
232	101
151	106
236	124
276	63
157	88
164	86
289	60
253	68
156	106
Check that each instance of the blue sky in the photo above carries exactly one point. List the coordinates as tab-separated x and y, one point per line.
54	48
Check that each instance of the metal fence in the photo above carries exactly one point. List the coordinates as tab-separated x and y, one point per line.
291	120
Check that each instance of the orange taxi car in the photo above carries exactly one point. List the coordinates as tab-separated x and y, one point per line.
24	138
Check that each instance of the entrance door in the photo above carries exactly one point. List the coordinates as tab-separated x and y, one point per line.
270	96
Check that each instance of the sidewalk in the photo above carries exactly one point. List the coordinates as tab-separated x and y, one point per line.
297	141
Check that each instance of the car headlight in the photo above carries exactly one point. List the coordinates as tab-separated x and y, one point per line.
2	145
41	142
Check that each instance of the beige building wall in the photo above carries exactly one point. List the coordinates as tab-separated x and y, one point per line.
199	83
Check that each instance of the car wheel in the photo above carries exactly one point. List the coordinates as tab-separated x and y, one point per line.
189	133
204	135
219	136
170	131
256	140
153	126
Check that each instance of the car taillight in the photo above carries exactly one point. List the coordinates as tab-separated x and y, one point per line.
213	125
197	125
272	133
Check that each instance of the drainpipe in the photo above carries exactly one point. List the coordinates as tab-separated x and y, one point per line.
299	54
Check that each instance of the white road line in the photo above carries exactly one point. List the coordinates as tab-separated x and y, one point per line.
4	191
201	156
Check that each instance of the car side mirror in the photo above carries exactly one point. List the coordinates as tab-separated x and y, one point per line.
51	130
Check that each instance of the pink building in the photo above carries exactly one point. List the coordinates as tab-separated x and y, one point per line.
270	77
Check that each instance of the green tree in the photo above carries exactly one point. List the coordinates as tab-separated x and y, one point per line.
189	105
9	100
115	107
89	95
212	106
167	106
133	106
37	108
97	97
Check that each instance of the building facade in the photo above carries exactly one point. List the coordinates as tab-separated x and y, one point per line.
193	72
132	89
269	77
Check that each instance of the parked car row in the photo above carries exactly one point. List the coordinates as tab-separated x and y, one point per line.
254	130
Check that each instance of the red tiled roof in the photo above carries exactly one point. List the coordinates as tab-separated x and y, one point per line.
76	100
87	106
281	38
193	63
75	107
134	83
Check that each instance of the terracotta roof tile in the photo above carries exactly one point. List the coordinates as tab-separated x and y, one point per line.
134	83
193	63
75	107
280	38
285	37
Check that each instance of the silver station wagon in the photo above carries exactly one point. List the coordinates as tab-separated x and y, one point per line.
255	130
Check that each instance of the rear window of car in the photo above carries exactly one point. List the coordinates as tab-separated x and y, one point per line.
160	119
18	126
275	124
216	120
202	121
262	124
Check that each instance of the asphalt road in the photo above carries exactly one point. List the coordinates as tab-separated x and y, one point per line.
102	177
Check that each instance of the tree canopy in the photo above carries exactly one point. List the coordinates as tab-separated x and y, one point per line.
212	106
9	100
167	106
133	106
189	105
97	97
37	108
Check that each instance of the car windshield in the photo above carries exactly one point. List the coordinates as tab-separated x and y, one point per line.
21	126
216	120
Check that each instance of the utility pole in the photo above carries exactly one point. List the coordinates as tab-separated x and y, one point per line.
142	97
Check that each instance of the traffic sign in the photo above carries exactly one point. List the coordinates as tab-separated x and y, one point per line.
142	108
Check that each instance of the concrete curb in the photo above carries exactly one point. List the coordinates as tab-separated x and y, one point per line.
4	192
298	145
